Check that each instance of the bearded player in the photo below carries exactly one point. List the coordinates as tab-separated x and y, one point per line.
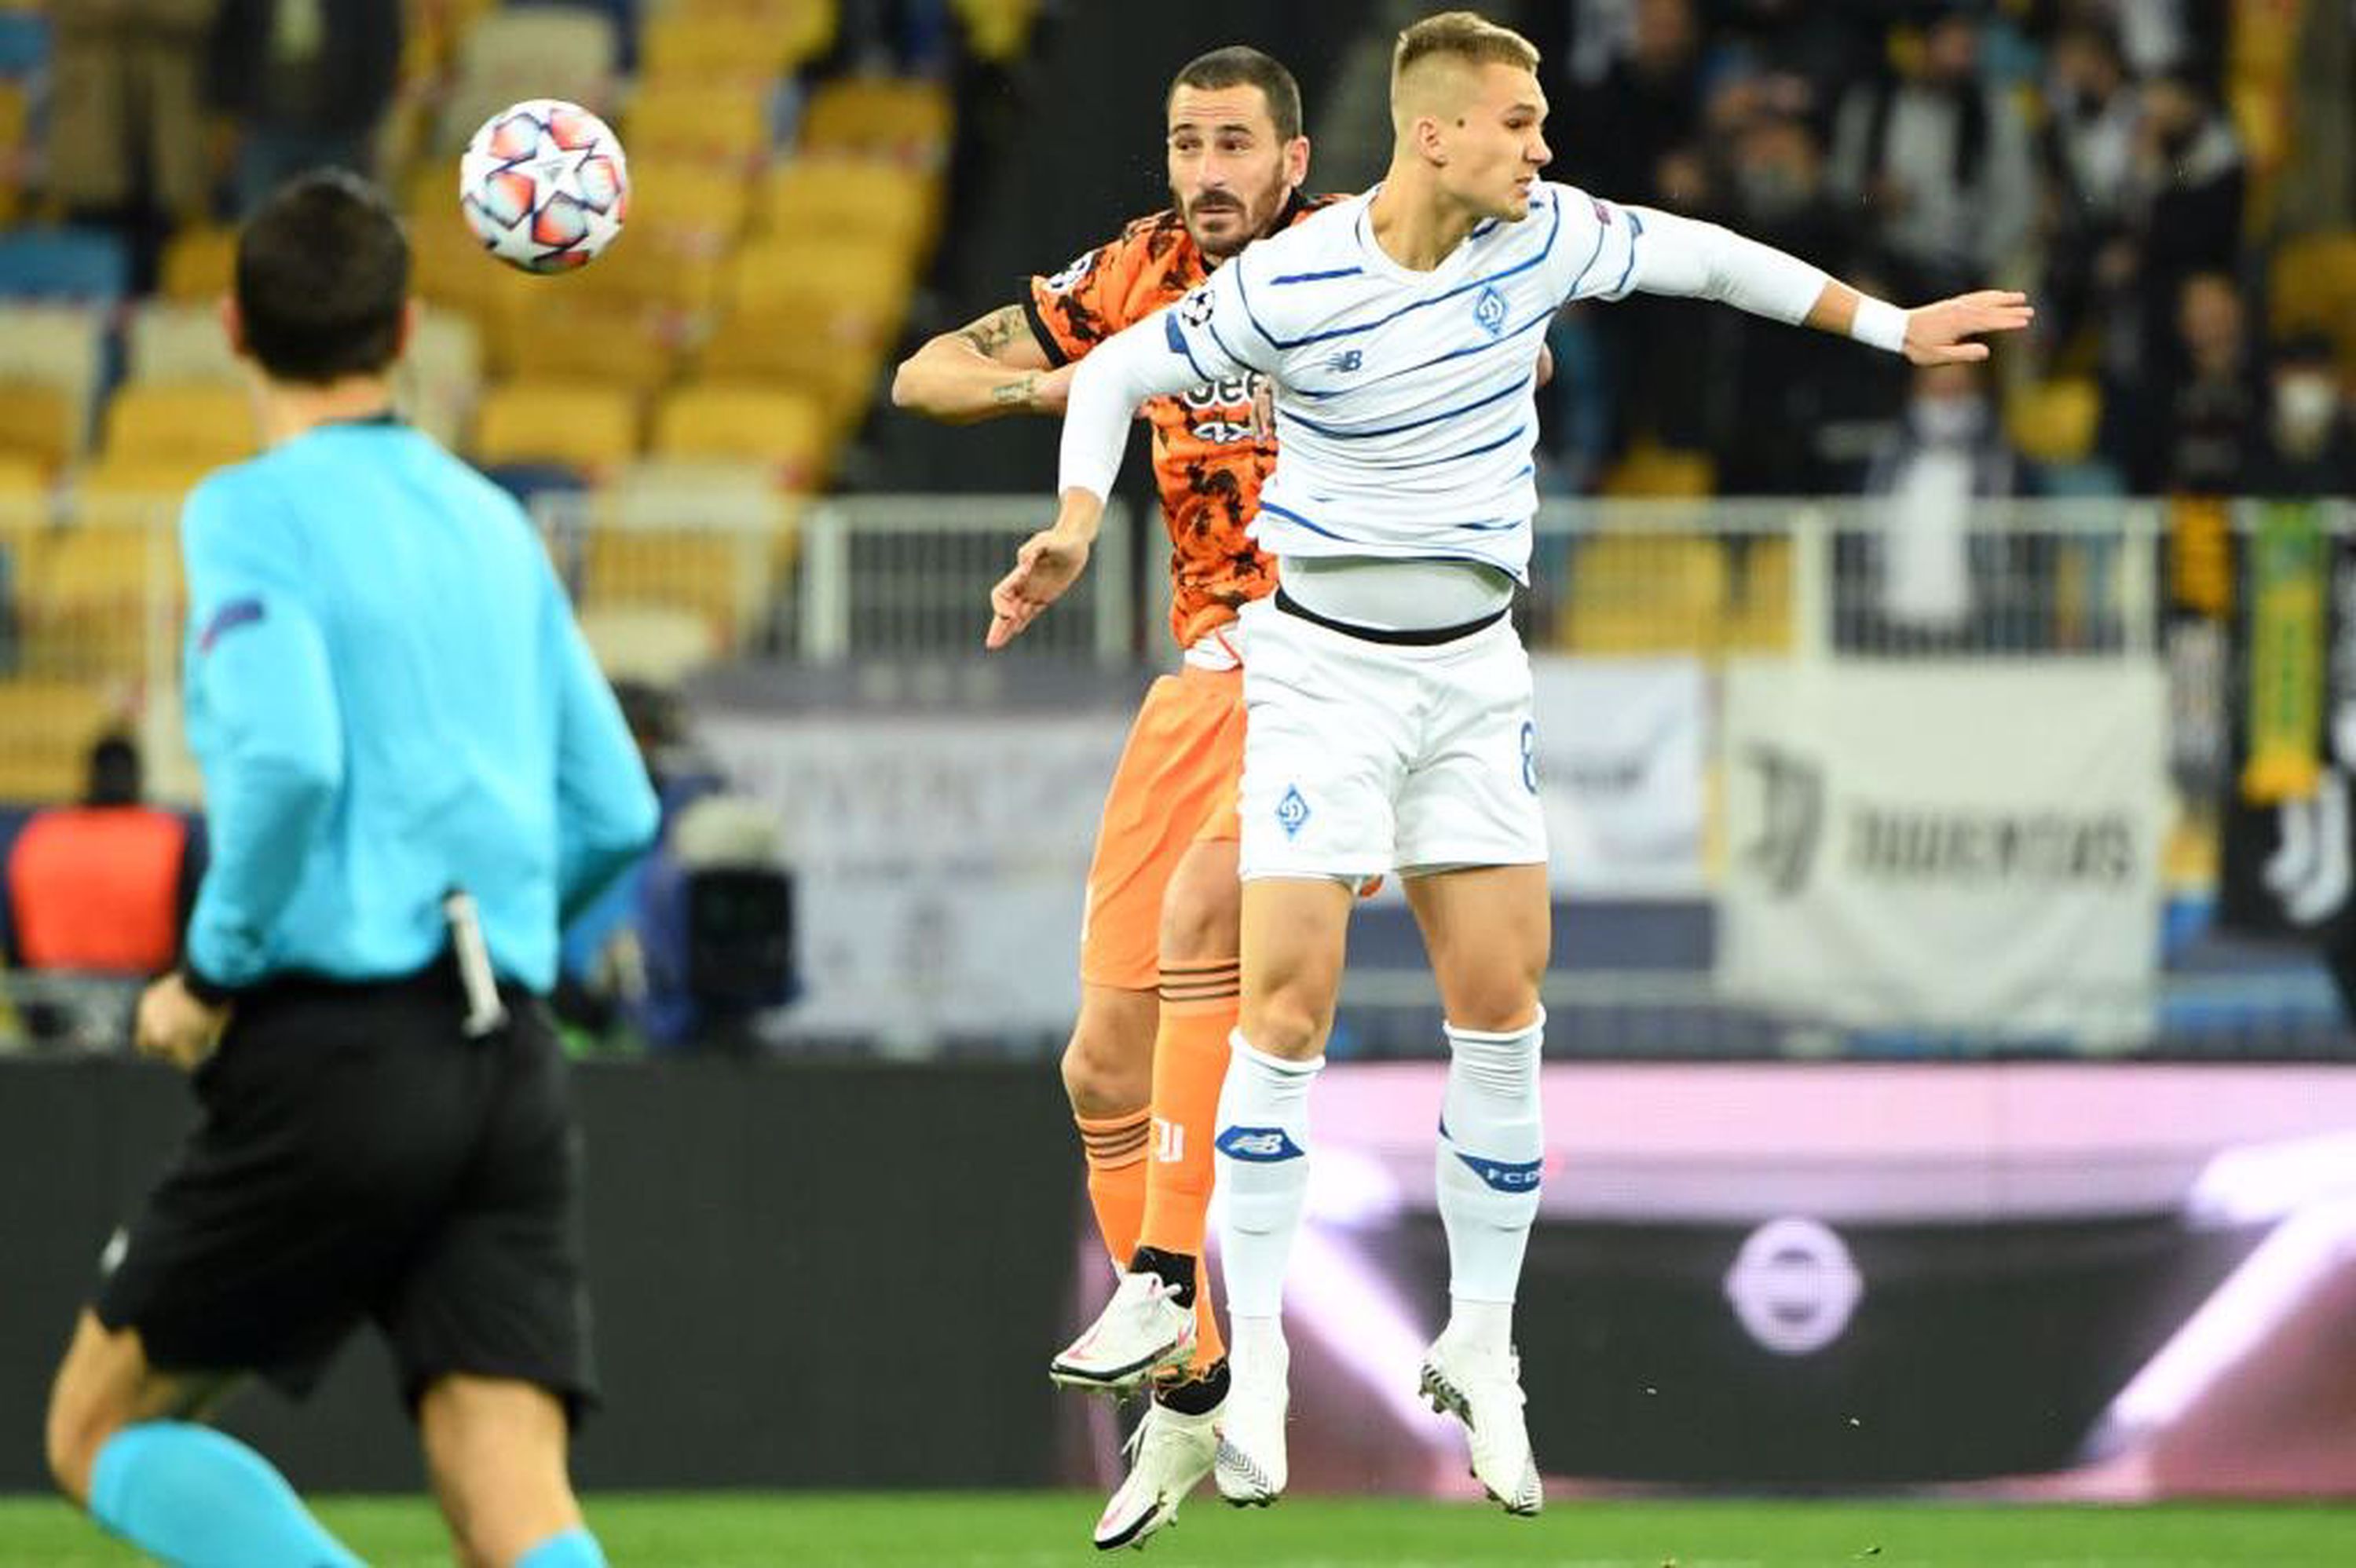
1158	956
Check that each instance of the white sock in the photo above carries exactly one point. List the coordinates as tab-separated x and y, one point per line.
1490	1149
1262	1159
1256	1345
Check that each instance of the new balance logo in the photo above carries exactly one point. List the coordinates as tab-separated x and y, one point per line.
1260	1146
1349	359
1169	1142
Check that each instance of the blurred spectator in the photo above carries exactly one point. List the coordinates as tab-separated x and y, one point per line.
2089	147
1791	389
104	887
2182	216
309	83
1942	161
1633	136
1924	579
127	148
2199	432
2309	448
696	942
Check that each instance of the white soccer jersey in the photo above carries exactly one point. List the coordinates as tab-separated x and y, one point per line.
1405	420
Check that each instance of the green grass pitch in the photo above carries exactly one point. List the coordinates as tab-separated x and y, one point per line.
1040	1530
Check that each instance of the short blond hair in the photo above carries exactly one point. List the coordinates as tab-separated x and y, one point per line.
1465	35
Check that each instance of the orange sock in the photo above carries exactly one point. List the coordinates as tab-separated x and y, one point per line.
1115	1146
1190	1064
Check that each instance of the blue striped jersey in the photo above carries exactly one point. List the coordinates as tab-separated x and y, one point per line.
1405	417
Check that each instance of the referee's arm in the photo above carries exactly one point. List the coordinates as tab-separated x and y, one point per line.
606	814
260	693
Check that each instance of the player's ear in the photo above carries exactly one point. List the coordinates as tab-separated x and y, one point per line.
232	321
1296	162
412	312
1432	140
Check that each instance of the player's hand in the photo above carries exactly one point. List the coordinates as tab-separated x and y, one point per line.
1942	333
1263	418
174	1027
1049	562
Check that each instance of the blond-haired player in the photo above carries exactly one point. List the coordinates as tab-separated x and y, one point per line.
1389	698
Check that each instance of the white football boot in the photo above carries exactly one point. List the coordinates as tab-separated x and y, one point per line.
1141	1330
1169	1454
1483	1391
1251	1470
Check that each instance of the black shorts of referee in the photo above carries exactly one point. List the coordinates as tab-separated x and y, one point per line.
362	1158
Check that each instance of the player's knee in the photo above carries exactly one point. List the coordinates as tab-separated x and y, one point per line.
1200	925
1101	1079
1288	1023
1504	1007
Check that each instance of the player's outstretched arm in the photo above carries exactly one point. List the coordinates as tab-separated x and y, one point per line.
1678	255
990	366
1138	362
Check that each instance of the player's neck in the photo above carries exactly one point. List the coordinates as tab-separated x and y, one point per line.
291	409
1415	225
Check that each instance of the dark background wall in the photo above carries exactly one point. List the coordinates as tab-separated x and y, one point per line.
803	1275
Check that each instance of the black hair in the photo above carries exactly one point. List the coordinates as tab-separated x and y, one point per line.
322	278
1240	65
115	772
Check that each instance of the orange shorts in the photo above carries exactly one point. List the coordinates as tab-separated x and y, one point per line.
1175	787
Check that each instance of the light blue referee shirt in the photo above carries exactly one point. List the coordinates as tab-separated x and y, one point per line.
389	699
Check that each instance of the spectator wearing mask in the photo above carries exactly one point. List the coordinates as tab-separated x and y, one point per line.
1922	578
2309	445
2182	217
2088	151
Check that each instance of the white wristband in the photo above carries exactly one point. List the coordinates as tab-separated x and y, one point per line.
1879	324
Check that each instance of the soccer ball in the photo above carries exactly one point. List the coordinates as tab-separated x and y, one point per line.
543	185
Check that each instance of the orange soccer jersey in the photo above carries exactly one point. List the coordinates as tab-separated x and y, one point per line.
1205	463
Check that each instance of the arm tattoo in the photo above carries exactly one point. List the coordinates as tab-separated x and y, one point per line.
996	330
1014	394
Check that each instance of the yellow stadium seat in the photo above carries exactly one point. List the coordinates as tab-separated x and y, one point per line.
2054	421
567	337
587	427
685	47
98	597
774	425
180	423
684	204
181	340
1644	593
12	119
22	483
721	576
695	121
49	725
997	30
129	488
1649	470
869	283
640	272
852	198
879	115
2313	288
812	349
449	268
199	264
39	423
660	643
805	28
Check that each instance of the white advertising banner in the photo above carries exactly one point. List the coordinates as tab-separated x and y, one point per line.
1621	749
1946	846
941	861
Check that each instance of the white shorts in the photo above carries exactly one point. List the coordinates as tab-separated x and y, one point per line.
1363	758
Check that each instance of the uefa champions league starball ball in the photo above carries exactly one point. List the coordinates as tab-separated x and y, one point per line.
543	184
